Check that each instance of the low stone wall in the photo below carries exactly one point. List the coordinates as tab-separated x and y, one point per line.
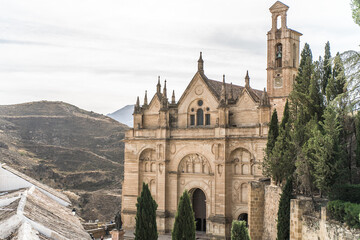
305	223
272	199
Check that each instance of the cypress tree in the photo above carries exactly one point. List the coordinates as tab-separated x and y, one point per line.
327	68
326	152
315	97
239	231
282	156
145	228
184	226
273	133
283	224
339	75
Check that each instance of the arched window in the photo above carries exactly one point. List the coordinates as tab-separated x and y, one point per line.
294	55
278	22
278	55
200	117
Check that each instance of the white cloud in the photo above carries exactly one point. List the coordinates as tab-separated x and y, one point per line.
99	55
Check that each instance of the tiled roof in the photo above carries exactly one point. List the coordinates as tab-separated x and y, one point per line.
30	212
237	90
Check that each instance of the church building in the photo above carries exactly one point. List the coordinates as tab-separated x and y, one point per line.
210	142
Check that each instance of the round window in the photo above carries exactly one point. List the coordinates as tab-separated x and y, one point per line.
207	109
200	102
192	109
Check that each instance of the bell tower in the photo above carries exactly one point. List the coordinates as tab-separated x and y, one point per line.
282	57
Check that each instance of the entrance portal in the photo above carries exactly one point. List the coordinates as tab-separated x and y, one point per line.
243	217
199	207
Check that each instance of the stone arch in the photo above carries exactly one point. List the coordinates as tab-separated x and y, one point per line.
152	187
242	161
203	186
147	154
194	163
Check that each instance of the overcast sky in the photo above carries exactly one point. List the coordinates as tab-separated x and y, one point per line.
99	55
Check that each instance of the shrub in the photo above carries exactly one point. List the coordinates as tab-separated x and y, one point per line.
239	231
345	212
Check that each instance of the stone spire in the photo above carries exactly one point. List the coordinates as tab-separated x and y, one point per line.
164	90
264	101
231	92
201	64
137	108
223	100
145	99
158	86
247	80
173	97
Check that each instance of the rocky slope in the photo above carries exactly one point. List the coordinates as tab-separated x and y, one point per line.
67	148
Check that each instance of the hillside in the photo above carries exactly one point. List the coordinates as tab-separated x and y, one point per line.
123	115
68	148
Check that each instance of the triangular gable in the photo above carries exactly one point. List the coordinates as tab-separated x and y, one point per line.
246	94
202	78
154	105
278	6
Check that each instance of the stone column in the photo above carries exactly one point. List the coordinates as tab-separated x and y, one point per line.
131	185
161	186
256	209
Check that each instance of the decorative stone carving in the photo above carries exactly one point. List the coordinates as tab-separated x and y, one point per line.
173	148
194	163
199	90
147	160
242	161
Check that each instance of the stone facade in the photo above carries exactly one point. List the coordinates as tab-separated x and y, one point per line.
210	142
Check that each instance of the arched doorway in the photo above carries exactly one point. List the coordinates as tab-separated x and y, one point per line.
199	207
243	217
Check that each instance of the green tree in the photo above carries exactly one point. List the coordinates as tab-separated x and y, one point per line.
357	134
145	228
283	222
282	156
239	231
326	152
327	68
184	226
272	137
355	6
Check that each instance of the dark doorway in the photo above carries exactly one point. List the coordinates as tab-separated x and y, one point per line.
199	206
243	217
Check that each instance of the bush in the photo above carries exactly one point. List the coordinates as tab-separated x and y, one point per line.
239	231
337	210
346	192
345	212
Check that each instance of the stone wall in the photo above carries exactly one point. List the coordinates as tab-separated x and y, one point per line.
272	199
305	223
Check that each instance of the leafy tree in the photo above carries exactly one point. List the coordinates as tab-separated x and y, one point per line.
145	228
283	224
239	231
352	71
184	226
355	6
